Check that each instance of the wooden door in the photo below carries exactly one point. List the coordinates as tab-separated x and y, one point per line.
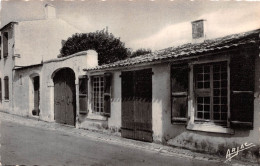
137	105
64	97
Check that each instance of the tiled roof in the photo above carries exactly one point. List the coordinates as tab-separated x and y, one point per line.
188	50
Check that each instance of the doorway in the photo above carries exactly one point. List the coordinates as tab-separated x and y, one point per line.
65	97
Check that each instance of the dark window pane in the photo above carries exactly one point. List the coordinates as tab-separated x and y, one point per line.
216	92
206	85
206	116
216	100
200	85
223	92
223	76
223	100
199	70
216	68
206	100
223	116
199	114
216	76
216	108
206	108
216	84
199	77
200	107
200	99
206	77
224	84
216	116
206	69
224	108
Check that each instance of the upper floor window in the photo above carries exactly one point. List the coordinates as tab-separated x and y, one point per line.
6	84
5	44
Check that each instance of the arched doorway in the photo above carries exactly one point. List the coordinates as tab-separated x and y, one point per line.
65	96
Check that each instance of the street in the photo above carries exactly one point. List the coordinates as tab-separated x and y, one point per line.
26	145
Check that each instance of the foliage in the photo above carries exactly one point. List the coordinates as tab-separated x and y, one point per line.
108	47
140	51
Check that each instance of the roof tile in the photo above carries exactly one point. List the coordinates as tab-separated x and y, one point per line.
189	49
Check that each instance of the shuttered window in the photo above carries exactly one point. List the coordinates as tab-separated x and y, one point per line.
242	71
179	87
83	95
6	82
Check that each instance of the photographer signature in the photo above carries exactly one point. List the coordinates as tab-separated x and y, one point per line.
234	151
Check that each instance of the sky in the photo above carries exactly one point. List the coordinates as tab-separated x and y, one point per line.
154	24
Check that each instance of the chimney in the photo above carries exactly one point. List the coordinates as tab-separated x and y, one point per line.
198	31
50	11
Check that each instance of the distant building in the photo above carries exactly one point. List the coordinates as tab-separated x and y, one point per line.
28	64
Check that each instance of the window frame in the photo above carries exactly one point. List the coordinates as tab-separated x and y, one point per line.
207	126
209	92
100	96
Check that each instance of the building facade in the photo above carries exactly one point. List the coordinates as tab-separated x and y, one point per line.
202	96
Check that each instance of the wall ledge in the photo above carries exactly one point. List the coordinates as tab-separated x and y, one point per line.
210	128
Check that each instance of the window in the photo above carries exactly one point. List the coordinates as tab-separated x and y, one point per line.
20	80
101	94
0	90
5	44
98	94
211	90
6	82
83	95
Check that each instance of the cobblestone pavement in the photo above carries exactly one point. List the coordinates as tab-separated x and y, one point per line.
112	138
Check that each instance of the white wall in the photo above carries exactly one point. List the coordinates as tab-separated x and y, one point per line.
40	40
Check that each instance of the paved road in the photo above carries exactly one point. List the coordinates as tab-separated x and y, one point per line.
25	145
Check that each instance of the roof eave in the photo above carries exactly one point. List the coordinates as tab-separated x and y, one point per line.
7	25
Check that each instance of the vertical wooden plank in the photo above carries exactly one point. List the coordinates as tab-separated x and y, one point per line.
127	105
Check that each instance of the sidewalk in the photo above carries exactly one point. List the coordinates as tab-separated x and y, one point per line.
115	139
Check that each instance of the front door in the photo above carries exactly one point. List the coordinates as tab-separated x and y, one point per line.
137	105
64	97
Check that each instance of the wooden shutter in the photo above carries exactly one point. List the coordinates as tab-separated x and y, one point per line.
242	71
83	94
107	93
179	86
6	80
